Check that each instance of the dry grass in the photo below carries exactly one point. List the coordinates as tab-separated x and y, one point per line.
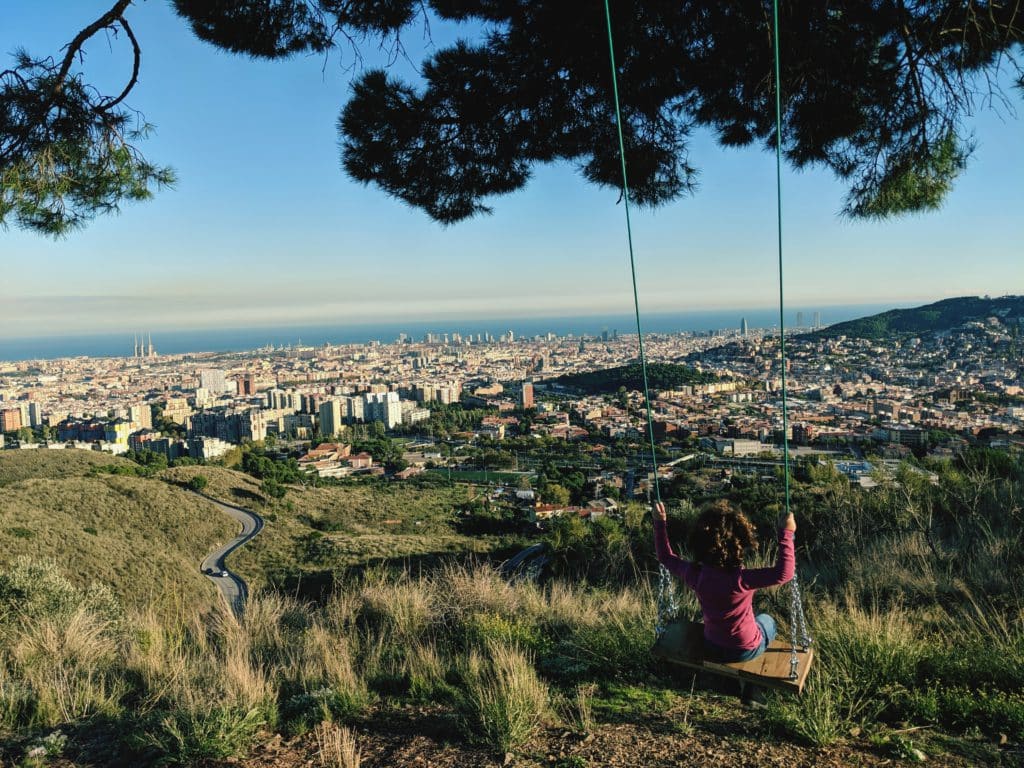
336	746
404	608
67	665
52	465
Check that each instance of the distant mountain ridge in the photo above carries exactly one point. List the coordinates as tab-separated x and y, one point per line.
941	316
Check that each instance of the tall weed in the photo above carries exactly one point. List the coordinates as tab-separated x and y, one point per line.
502	700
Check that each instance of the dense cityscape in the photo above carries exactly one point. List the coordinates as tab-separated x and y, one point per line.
931	395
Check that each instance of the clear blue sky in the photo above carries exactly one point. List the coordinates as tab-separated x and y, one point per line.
264	228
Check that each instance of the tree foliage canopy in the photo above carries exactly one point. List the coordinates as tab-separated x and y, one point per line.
875	90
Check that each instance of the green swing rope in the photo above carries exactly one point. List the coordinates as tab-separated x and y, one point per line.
798	634
778	207
666	601
665	586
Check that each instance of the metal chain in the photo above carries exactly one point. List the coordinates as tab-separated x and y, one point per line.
668	601
798	634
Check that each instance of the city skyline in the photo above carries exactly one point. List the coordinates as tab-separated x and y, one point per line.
242	339
263	228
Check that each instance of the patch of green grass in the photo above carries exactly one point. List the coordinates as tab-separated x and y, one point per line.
482	627
620	701
185	737
819	717
960	708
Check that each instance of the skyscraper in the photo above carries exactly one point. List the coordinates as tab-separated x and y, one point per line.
799	319
743	326
817	319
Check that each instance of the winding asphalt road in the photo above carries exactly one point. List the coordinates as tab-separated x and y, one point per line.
232	587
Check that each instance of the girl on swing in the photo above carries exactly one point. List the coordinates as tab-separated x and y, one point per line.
725	588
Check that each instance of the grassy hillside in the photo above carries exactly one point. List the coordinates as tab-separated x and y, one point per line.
314	531
142	537
912	594
53	465
940	316
659	375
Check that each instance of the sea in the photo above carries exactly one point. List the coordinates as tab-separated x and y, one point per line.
244	339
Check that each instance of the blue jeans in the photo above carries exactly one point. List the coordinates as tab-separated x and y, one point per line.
765	623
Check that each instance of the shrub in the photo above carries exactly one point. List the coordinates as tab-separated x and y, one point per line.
198	483
33	589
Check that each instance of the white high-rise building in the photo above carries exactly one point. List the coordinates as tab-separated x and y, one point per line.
215	382
384	407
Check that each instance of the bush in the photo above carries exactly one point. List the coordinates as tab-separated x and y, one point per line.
198	483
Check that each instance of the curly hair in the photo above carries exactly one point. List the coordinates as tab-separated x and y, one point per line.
721	535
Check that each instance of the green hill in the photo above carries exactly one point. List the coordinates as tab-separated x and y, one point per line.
659	376
941	316
143	537
312	532
52	465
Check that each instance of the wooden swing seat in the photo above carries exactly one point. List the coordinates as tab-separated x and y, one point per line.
682	643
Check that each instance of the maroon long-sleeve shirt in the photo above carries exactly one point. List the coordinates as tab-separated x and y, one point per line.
726	595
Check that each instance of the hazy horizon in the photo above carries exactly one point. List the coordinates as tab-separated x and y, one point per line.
229	340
